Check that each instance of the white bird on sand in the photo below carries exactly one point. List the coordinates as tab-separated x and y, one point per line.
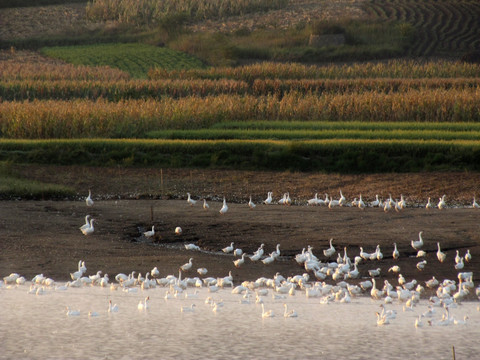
375	202
457	257
429	204
475	204
342	201
441	256
228	249
441	203
87	223
468	256
269	199
289	314
330	251
395	254
460	265
361	204
202	271
192	247
178	230
150	233
187	266
90	229
237	252
251	204
421	265
72	312
313	201
418	244
395	269
190	201
89	200
224	208
239	262
205	205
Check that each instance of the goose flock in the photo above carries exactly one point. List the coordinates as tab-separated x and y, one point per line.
328	280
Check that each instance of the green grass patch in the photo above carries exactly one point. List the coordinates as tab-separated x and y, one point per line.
134	58
278	134
343	156
12	186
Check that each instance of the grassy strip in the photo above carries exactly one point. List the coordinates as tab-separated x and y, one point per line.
349	125
134	58
156	89
246	134
345	156
11	187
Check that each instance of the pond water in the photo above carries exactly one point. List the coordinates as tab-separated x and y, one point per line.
37	327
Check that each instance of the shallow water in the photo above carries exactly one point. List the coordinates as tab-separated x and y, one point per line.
37	327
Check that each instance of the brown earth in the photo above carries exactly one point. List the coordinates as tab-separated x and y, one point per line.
43	236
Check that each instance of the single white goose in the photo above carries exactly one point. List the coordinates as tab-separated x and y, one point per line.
458	258
330	251
288	200
418	244
460	322
395	269
395	254
421	253
283	200
418	321
429	204
237	252
187	266
374	272
289	314
178	230
266	314
268	260
89	230
192	247
342	201
460	265
382	320
421	265
239	262
86	225
89	200
332	203
224	208
441	203
150	233
205	205
313	201
202	271
190	201
143	304
431	283
228	249
112	308
70	312
188	308
441	256
251	204
375	202
475	204
361	204
269	199
468	256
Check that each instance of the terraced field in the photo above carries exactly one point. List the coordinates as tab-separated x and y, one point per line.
444	27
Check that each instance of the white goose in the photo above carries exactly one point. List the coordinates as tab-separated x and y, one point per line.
88	230
468	256
143	304
89	200
205	205
441	203
361	204
375	202
87	223
289	314
188	308
187	266
192	247
269	199
429	204
190	201
395	254
70	312
239	262
342	201
475	204
266	314
251	204
224	208
313	201
228	249
112	308
202	271
441	256
330	251
418	244
150	233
